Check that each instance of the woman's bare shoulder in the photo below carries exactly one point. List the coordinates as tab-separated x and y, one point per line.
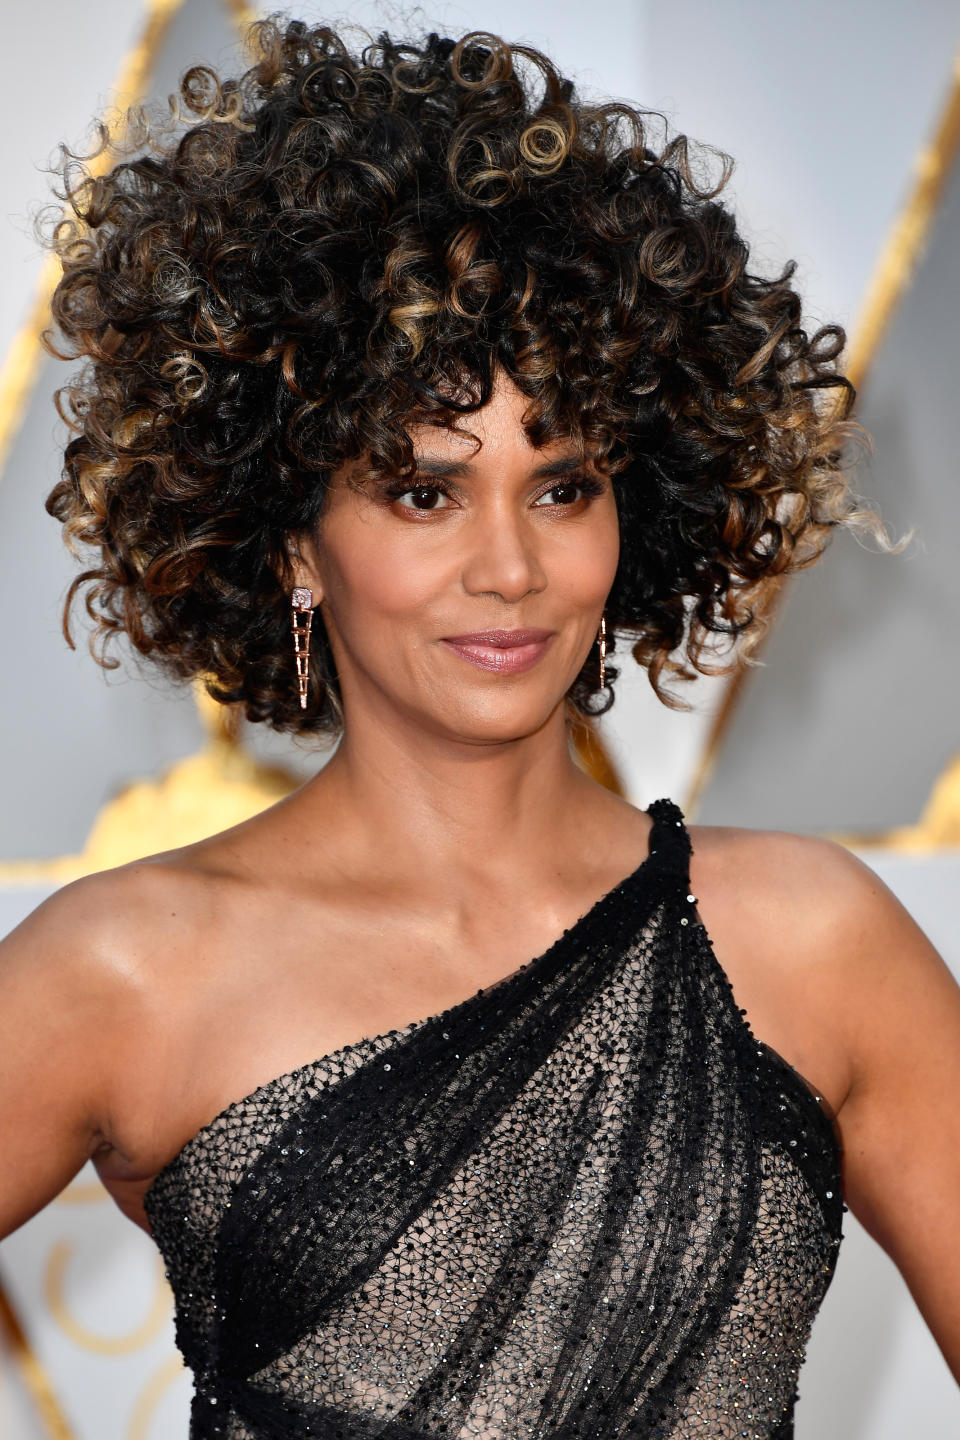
798	922
811	882
813	929
809	905
99	959
79	980
97	921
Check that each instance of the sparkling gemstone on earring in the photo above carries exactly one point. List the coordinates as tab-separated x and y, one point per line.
301	602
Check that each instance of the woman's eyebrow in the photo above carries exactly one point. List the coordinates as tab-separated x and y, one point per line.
455	469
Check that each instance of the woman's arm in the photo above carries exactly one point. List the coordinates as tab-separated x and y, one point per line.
59	1000
900	1122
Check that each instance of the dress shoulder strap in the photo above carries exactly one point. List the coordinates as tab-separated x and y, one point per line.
670	839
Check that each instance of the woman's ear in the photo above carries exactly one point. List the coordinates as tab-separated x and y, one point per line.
304	570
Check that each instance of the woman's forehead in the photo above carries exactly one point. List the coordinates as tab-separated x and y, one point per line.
498	426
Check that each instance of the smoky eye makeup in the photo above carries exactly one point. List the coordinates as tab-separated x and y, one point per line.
586	484
426	490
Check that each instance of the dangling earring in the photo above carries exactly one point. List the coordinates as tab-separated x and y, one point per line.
603	651
301	601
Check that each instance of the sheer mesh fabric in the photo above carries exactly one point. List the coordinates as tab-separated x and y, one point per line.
584	1202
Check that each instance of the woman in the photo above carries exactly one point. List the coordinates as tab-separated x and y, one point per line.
413	384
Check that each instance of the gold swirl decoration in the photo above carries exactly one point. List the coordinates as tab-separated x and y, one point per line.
151	1395
34	1377
55	1288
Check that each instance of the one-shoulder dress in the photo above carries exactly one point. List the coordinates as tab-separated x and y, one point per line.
584	1203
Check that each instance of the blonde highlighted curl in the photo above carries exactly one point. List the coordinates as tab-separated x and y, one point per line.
338	243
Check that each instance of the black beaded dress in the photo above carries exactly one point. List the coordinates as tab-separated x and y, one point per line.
584	1202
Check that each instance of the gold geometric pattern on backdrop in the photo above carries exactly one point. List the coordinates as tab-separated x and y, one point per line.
220	779
896	265
221	785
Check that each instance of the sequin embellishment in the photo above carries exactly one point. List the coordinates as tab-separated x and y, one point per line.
585	1202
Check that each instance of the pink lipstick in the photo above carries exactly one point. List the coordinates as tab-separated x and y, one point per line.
507	652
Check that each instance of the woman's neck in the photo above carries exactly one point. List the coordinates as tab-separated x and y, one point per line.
448	805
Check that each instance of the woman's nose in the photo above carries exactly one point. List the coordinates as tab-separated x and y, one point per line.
502	555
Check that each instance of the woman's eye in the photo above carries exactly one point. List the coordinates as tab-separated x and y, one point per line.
427	498
422	497
567	494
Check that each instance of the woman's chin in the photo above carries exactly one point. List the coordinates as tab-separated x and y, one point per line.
500	724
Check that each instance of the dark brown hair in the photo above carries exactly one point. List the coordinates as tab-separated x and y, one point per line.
338	243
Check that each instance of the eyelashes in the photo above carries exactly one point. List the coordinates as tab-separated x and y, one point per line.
398	490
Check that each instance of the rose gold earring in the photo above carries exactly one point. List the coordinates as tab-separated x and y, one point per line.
603	651
301	601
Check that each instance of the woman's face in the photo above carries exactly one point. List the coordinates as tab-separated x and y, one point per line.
504	538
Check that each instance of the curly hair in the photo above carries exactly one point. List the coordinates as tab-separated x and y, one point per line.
337	244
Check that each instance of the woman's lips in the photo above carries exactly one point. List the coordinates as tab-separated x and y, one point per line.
507	652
